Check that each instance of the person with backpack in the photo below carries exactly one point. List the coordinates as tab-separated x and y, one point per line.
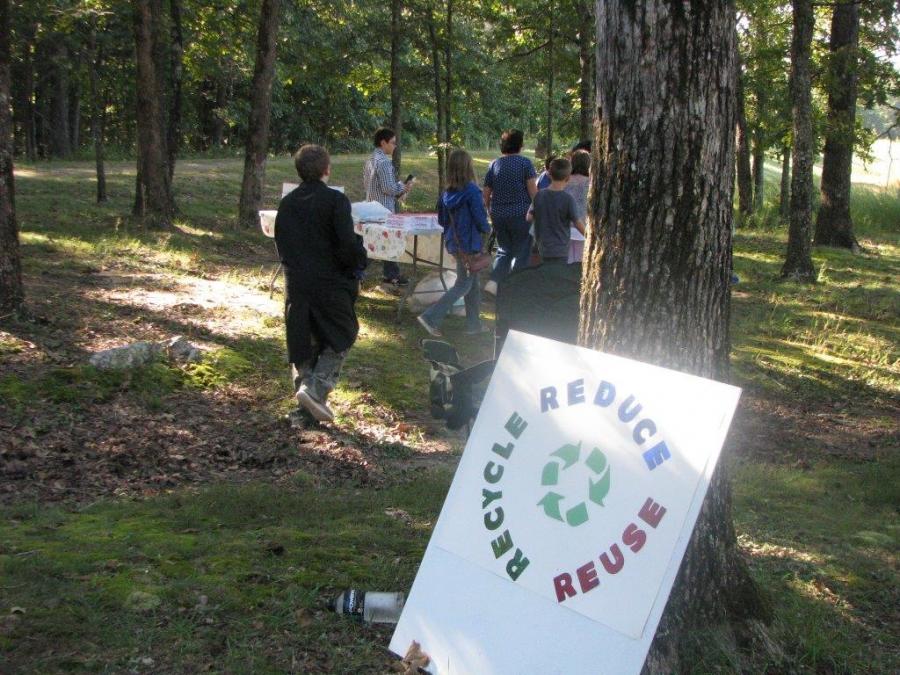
462	214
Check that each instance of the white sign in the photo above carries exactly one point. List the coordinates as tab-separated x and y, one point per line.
569	514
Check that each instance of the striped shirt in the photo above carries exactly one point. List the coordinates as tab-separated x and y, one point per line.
380	180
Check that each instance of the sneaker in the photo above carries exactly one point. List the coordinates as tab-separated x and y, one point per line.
491	287
315	407
481	330
434	332
400	280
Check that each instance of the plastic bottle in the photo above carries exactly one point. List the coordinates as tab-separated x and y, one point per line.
369	606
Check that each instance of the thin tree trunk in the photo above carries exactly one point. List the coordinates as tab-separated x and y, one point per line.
834	225
448	80
176	76
153	174
98	113
550	71
759	176
28	126
586	62
744	178
396	102
658	260
439	104
798	259
12	292
260	109
784	194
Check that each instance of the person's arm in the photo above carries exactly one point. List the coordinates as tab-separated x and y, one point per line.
351	253
531	186
387	182
486	197
579	225
479	213
529	216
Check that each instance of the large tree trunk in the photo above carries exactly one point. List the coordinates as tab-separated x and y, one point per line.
396	102
153	174
586	63
834	226
759	175
798	259
27	117
59	100
744	178
260	109
658	256
12	293
176	76
784	193
98	113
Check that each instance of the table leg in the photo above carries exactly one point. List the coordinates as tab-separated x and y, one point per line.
411	286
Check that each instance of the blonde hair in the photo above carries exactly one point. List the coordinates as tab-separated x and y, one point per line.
460	171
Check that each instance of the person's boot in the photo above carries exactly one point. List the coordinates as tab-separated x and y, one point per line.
316	408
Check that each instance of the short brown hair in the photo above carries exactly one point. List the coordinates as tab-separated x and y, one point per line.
312	161
460	171
581	162
511	141
382	134
560	168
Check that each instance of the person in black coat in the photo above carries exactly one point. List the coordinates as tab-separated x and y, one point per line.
323	259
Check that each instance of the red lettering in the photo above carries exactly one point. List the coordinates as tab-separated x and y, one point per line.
613	566
634	537
563	585
651	513
587	577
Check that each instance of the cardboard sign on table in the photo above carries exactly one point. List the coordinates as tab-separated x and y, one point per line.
569	514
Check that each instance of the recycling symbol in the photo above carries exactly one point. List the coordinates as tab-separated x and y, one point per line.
561	461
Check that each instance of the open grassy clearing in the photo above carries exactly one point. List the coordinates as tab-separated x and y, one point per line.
191	529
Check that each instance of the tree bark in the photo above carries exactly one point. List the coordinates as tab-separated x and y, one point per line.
759	176
98	113
176	76
784	194
153	174
260	109
744	178
12	292
28	126
834	225
396	101
586	62
798	259
658	257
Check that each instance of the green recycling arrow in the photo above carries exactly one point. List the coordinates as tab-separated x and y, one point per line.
577	515
568	454
599	489
550	474
550	502
596	461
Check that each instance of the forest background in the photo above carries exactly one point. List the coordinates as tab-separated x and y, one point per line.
190	89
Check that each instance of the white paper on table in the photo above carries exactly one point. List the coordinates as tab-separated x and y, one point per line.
465	607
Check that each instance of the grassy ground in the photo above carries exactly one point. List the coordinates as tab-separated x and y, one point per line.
168	520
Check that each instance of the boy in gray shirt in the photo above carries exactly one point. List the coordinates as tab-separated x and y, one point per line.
552	211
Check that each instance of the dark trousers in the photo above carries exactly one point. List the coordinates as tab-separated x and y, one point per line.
513	245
